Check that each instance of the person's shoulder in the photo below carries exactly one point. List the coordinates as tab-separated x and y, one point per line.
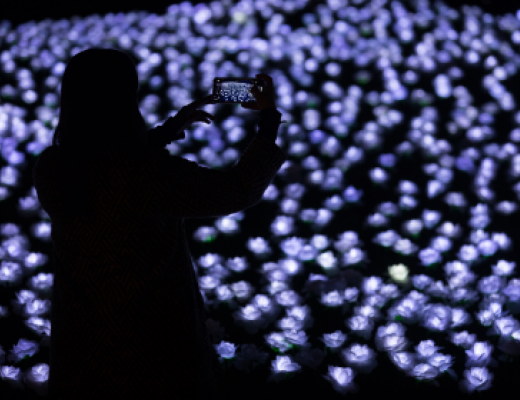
49	153
45	162
155	153
50	150
155	157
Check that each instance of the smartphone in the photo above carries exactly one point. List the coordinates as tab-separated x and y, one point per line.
235	90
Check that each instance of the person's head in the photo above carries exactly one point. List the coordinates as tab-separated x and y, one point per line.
98	102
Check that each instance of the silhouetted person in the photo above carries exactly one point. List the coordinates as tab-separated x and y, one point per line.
128	319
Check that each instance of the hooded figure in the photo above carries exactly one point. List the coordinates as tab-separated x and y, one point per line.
98	111
127	316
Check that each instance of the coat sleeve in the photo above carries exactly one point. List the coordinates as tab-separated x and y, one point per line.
193	191
47	187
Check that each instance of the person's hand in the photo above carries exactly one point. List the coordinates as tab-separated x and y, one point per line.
187	115
265	99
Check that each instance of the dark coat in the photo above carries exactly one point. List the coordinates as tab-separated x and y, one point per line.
128	319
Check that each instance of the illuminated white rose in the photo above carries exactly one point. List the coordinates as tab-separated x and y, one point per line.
438	289
512	290
351	294
342	379
429	256
422	281
505	326
360	325
426	349
425	372
11	375
332	299
504	268
371	285
402	360
226	349
334	340
284	364
463	339
391	338
296	337
367	311
405	246
37	377
389	291
360	357
476	378
23	348
436	317
459	317
392	343
464	295
490	284
407	310
441	361
277	340
375	301
479	355
288	323
398	273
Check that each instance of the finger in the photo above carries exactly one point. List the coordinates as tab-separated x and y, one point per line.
202	118
207	114
266	78
208	99
201	102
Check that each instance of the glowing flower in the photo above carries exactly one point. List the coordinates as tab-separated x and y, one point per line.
476	378
334	340
226	349
426	349
421	281
425	372
361	357
22	349
398	273
463	339
284	364
342	379
402	360
441	361
479	355
490	284
436	317
360	325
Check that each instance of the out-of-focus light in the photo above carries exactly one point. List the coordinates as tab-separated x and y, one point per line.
398	273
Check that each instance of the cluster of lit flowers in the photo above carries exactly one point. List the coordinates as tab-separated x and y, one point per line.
373	37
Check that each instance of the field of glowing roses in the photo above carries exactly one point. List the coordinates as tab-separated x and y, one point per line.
386	241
